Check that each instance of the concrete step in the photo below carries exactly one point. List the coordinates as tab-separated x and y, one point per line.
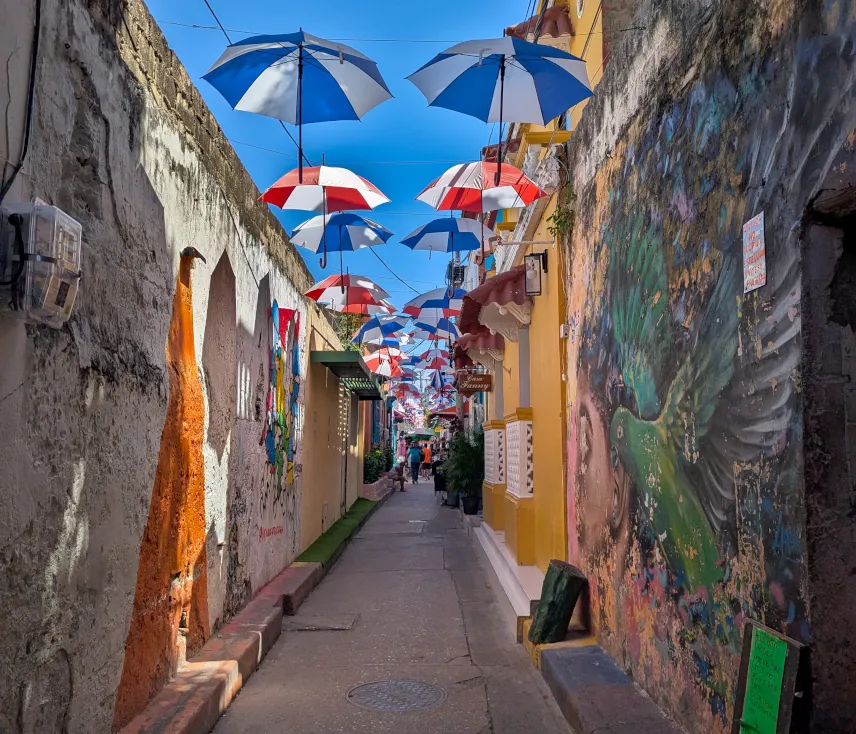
521	584
595	695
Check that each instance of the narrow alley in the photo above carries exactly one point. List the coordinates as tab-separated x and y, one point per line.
422	610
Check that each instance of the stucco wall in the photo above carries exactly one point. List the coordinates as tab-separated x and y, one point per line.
139	508
686	486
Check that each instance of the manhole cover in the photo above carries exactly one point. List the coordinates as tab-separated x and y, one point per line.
397	695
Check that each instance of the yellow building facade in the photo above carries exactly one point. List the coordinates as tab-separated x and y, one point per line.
524	494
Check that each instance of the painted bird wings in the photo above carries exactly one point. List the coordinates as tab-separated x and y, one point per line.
640	320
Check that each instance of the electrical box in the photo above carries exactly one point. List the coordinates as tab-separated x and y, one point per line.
40	255
564	331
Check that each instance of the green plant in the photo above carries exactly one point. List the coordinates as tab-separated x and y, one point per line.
373	466
464	469
561	221
387	457
346	324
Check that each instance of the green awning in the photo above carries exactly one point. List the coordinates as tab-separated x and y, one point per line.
351	371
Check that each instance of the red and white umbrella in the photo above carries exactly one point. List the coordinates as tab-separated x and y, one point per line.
325	189
351	294
382	365
475	187
435	354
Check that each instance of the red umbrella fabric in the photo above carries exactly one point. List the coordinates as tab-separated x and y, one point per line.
325	189
351	294
473	187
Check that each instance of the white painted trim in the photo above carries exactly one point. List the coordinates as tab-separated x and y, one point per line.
521	584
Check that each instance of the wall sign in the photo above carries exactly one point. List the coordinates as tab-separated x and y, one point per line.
765	689
754	254
474	382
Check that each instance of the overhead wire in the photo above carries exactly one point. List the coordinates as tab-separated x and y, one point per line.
452	41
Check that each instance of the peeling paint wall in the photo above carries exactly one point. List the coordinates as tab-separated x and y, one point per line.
686	410
140	505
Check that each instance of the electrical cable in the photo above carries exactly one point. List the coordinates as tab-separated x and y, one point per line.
31	95
450	41
397	277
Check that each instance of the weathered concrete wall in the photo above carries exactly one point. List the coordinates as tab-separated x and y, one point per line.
153	465
686	411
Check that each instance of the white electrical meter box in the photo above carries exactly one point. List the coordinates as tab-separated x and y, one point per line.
40	254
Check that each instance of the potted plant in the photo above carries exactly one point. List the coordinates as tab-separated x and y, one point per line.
464	469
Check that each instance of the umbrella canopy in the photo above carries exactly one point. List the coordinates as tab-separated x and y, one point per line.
342	232
432	353
481	187
434	363
298	78
449	300
448	235
324	189
440	380
504	80
383	366
379	328
350	294
441	329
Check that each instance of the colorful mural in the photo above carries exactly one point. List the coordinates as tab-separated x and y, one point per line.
684	424
170	613
278	500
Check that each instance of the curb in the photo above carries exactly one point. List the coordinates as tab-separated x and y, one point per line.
595	695
204	687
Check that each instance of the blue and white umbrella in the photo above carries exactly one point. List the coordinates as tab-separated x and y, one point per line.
379	328
298	78
504	80
342	232
450	300
441	329
448	234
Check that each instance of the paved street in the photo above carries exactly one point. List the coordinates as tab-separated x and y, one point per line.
424	612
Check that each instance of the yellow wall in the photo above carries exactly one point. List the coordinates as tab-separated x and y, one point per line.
323	453
547	409
510	378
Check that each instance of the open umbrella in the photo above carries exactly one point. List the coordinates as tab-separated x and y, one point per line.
325	189
344	232
351	294
476	187
448	235
442	329
382	364
504	80
339	232
449	300
298	78
379	328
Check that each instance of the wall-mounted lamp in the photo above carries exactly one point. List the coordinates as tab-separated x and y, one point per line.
535	266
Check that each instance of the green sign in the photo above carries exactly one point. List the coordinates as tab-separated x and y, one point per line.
764	683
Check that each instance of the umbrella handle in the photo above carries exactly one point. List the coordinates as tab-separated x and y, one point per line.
324	232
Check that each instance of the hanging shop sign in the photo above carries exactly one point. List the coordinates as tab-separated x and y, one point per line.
474	382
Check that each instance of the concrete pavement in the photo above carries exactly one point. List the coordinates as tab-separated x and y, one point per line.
424	612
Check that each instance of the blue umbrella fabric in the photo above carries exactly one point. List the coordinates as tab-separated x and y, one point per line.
441	329
344	232
504	80
379	328
447	299
298	78
448	234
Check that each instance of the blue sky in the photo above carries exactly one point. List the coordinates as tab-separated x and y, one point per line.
382	145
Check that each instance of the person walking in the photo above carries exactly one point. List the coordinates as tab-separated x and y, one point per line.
426	461
414	456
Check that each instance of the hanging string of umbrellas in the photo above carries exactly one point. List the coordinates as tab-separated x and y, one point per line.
300	79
